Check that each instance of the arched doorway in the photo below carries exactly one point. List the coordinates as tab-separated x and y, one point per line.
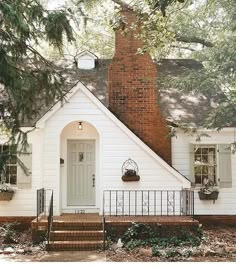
79	167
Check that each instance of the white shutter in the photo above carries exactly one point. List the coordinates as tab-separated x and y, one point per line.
24	167
191	163
225	168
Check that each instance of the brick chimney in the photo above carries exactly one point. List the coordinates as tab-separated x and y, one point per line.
133	95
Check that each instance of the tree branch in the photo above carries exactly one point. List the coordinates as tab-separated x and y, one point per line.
193	39
122	4
183	47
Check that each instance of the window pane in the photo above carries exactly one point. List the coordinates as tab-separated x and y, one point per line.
205	164
204	159
13	179
198	179
197	159
9	152
212	150
205	170
198	170
205	150
13	159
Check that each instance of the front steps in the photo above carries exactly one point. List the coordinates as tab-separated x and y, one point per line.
76	235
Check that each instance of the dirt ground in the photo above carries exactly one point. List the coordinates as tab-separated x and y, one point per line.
216	239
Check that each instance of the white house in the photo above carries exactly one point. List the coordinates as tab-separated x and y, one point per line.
111	114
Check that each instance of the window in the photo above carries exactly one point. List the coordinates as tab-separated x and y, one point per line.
9	158
204	163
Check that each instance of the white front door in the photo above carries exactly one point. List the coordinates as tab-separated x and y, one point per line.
81	173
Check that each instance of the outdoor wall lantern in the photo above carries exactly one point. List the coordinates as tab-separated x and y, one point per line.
80	126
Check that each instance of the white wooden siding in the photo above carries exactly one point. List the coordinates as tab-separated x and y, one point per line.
113	146
226	202
24	200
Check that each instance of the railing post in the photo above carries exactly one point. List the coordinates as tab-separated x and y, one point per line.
104	232
37	205
50	217
193	203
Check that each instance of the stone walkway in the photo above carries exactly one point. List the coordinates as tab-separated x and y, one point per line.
59	256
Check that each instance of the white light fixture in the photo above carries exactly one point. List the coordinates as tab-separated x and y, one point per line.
80	126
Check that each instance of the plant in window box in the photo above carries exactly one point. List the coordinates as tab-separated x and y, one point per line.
130	171
6	192
208	191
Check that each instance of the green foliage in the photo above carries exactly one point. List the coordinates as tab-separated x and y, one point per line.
206	32
112	233
172	253
140	234
57	22
156	251
28	81
187	253
9	232
138	231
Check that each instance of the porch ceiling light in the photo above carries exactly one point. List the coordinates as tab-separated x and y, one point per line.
80	126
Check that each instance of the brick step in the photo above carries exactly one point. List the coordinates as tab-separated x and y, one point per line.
64	235
73	225
74	245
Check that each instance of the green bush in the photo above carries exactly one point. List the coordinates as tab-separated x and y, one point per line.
8	232
140	234
172	253
156	252
137	231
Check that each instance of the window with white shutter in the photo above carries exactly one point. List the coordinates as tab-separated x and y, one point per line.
211	162
16	165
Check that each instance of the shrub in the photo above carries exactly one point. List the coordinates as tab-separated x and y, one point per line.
140	234
8	232
137	231
156	252
172	253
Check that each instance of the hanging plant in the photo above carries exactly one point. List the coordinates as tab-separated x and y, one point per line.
130	171
208	191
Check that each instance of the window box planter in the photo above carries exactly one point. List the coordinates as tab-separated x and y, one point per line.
6	196
211	196
130	178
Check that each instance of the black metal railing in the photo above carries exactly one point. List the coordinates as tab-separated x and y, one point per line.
40	202
148	202
50	216
104	232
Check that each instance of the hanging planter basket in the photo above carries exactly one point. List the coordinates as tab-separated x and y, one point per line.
130	171
6	196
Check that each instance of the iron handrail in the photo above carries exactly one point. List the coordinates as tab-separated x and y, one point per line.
40	202
50	217
148	202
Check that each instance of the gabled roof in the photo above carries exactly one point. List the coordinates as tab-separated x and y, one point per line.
177	107
86	52
125	129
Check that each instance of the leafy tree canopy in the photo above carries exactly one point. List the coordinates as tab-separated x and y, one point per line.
27	79
204	30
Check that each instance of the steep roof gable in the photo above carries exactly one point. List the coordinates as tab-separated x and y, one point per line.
80	86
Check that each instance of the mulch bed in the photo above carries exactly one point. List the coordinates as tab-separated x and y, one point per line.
214	236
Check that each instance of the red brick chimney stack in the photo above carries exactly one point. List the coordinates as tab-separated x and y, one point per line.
133	95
